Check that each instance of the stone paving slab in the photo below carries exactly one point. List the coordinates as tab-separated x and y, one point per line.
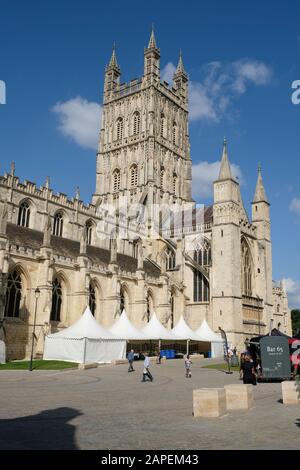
109	408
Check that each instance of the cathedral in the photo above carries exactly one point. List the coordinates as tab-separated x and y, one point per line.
58	254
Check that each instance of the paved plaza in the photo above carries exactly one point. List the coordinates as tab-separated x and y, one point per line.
109	408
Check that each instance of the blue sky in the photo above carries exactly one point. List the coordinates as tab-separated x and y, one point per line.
242	58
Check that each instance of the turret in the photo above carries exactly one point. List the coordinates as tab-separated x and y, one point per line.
261	220
112	76
151	60
180	80
226	189
261	209
226	253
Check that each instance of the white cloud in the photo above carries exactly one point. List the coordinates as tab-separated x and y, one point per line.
295	205
168	72
201	104
211	97
250	71
293	290
204	174
79	120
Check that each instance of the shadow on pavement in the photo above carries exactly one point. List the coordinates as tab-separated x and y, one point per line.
50	429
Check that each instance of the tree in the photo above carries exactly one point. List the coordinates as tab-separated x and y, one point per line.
295	321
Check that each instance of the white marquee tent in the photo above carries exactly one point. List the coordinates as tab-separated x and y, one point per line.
206	332
216	341
123	328
156	331
184	332
85	341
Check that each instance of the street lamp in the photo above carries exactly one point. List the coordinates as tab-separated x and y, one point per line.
36	294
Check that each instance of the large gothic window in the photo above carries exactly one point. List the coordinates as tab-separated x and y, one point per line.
170	259
124	300
246	270
136	123
56	300
202	256
58	224
89	232
92	298
150	306
119	129
201	287
13	295
24	214
172	307
133	176
116	180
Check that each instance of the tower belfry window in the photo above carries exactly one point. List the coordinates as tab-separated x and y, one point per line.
116	180
174	134
162	125
134	176
119	129
136	123
174	183
162	177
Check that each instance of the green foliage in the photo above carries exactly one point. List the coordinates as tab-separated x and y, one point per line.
222	366
38	364
295	321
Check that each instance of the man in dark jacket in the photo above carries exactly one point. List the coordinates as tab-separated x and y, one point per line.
130	357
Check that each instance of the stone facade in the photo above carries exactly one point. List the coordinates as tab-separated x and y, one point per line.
54	243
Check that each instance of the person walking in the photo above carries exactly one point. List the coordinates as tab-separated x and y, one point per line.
130	358
249	375
188	365
146	371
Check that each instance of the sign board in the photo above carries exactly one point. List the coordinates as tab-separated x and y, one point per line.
275	357
225	344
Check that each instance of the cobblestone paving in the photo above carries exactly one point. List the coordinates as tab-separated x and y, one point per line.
109	408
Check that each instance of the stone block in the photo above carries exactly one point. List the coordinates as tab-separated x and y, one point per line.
120	361
239	396
194	357
87	366
290	392
209	402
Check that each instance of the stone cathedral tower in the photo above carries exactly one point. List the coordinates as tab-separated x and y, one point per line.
144	150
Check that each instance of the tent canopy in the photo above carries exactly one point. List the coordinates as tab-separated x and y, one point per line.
85	341
124	329
206	332
184	332
155	330
86	327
